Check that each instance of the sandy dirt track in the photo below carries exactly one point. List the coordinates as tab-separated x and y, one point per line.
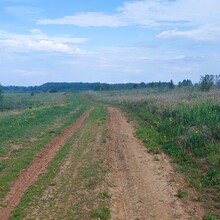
140	186
29	175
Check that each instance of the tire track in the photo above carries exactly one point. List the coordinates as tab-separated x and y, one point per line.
38	166
138	191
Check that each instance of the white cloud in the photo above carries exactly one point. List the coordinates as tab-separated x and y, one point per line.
38	41
192	15
163	12
95	19
203	33
39	35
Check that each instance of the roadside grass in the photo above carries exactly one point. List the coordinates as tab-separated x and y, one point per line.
185	125
25	132
76	191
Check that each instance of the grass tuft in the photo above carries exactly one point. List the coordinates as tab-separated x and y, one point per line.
102	213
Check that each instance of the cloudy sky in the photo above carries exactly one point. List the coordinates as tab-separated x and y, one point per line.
108	41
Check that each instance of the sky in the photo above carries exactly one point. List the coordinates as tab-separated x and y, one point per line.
113	41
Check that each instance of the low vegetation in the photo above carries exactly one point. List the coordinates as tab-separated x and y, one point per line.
184	123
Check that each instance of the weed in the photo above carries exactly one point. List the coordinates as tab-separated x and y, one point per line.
101	212
210	217
212	177
105	195
2	166
180	193
104	136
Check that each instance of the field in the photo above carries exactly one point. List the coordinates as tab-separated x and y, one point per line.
71	156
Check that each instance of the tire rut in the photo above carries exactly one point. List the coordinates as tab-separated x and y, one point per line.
138	191
38	166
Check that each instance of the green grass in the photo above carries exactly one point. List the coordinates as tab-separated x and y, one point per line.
101	212
210	217
78	189
20	101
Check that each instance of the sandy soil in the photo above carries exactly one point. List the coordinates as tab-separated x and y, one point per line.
139	184
29	175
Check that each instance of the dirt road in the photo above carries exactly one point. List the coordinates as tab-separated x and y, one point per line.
36	167
139	185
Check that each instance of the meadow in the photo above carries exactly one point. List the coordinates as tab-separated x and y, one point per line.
183	123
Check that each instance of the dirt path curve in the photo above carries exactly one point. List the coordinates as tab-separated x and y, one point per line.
36	167
140	186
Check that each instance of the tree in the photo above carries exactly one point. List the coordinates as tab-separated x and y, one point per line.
185	82
152	85
217	81
1	97
171	85
142	85
135	86
54	90
206	82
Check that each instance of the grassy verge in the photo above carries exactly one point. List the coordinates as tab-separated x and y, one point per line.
73	187
188	135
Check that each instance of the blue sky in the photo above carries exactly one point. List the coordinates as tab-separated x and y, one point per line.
108	41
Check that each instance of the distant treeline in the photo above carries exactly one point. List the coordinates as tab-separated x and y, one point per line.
65	87
51	87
